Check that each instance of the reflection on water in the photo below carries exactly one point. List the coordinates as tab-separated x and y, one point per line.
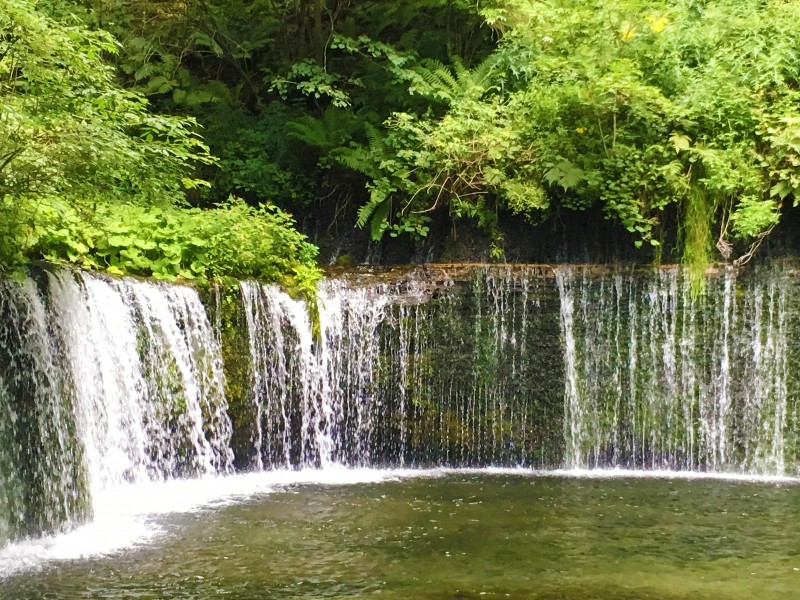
458	536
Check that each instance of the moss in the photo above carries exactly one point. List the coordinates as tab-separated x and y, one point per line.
224	304
345	260
698	217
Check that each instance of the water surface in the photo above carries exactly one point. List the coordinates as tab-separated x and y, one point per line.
458	535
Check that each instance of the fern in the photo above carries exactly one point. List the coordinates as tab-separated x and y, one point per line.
449	83
376	141
431	73
366	159
379	218
310	131
334	129
481	74
357	158
377	197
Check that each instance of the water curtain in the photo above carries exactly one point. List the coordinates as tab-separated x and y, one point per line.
108	382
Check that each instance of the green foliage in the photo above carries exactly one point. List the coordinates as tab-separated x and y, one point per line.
90	177
754	216
310	79
677	119
696	230
246	69
424	164
68	131
258	159
232	240
653	111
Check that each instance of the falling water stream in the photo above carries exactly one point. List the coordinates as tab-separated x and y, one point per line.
123	405
658	378
106	383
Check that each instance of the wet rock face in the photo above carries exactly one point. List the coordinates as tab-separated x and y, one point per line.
565	237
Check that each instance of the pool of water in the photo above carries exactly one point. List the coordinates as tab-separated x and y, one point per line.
443	535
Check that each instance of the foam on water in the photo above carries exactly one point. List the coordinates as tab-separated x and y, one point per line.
670	474
128	516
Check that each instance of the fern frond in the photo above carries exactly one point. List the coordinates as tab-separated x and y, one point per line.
367	158
340	123
463	76
376	141
359	159
482	73
332	130
438	79
379	217
447	83
309	130
377	197
456	81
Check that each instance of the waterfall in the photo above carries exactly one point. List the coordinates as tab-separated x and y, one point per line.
316	400
290	427
576	367
106	382
102	383
401	374
42	484
661	378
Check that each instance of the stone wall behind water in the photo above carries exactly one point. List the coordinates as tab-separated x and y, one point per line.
107	382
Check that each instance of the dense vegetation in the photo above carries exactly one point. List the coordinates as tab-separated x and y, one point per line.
91	175
677	119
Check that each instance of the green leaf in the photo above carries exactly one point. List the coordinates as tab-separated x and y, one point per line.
379	219
120	241
781	189
679	141
565	174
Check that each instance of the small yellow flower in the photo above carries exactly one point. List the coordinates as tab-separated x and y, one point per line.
580	129
657	24
626	32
